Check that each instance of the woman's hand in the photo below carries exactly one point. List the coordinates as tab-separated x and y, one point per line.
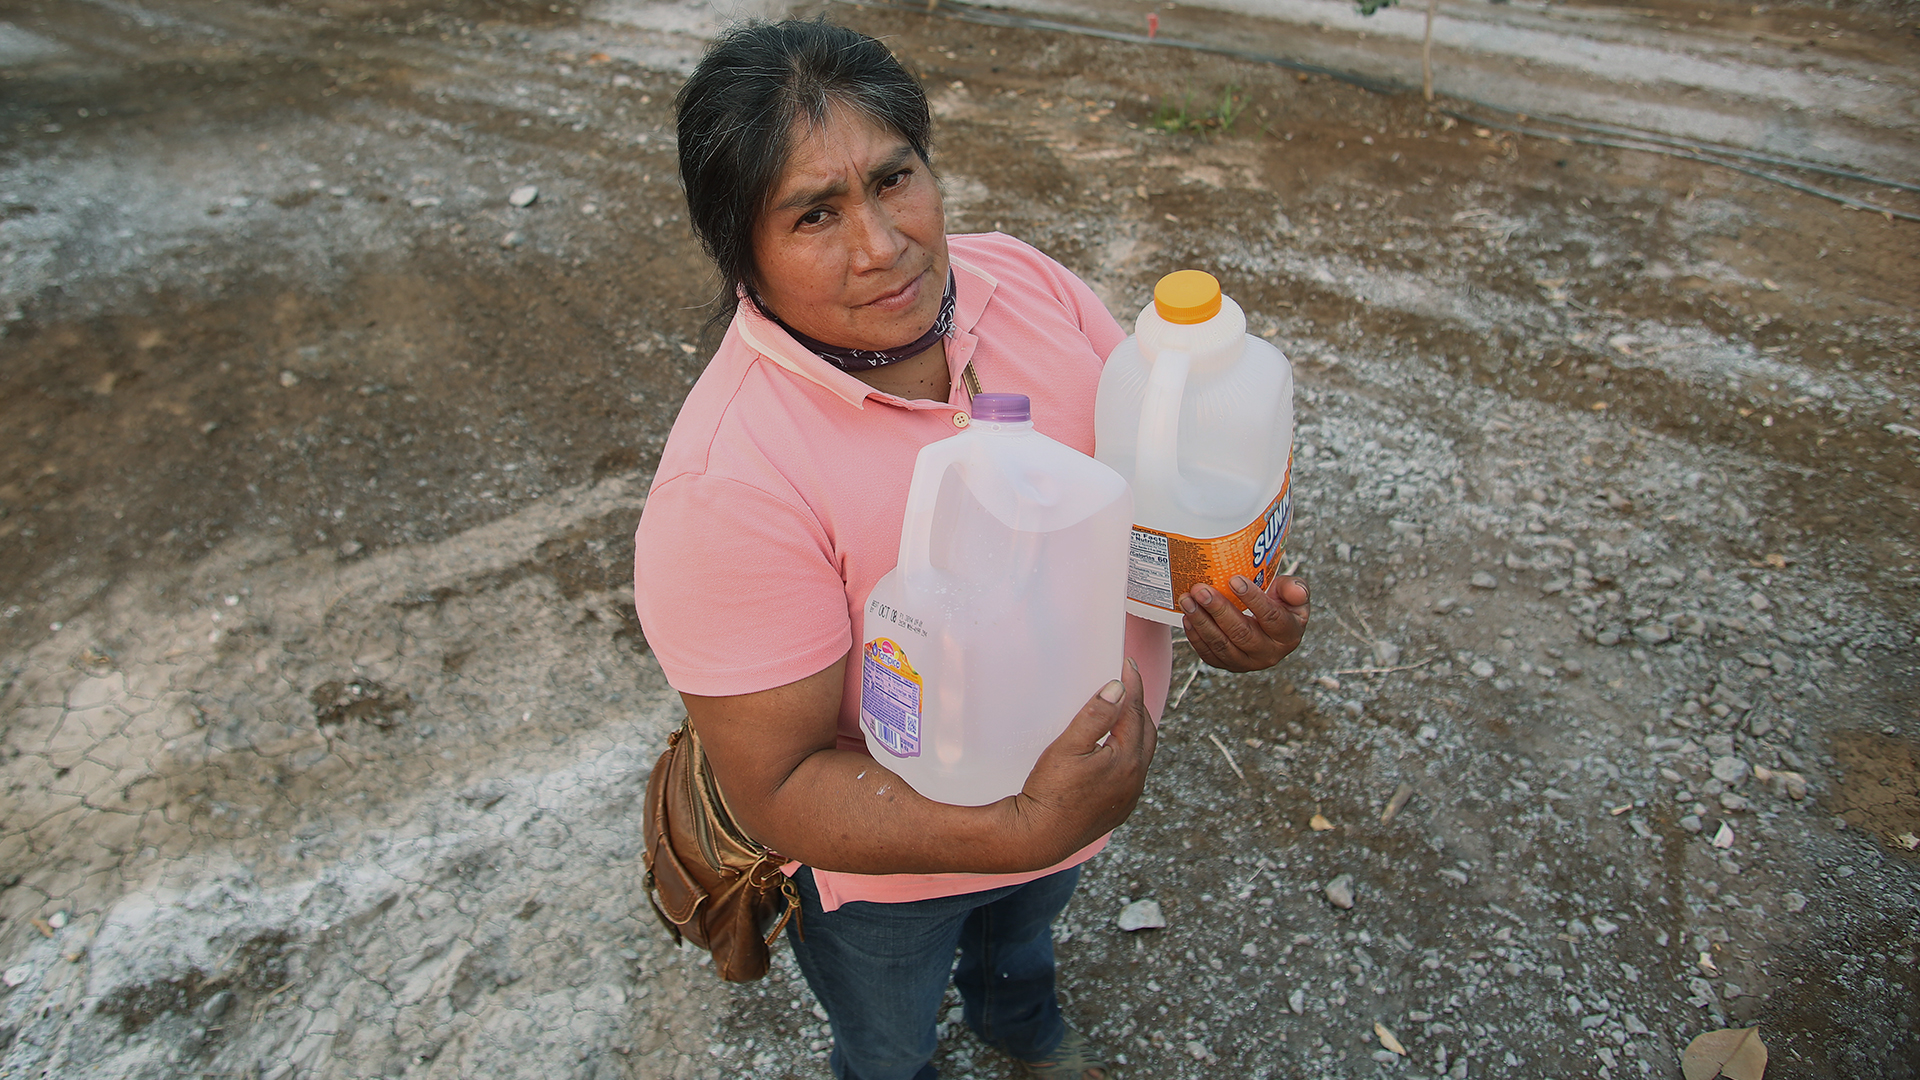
1083	787
1253	639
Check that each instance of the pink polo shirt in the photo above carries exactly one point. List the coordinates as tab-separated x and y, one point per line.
782	488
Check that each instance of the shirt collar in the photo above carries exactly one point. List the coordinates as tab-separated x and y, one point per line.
972	289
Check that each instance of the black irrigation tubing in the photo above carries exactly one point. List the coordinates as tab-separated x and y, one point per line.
1006	20
1623	144
1694	144
1648	142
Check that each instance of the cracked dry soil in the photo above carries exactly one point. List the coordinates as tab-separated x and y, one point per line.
326	718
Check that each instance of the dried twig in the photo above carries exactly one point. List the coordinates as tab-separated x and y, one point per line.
1385	670
1228	754
1181	696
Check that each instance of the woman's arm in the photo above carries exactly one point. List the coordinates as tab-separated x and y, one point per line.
774	754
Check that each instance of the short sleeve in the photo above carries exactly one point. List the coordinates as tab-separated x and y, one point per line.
737	589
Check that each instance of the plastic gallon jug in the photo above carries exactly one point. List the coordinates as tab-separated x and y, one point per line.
1005	612
1198	416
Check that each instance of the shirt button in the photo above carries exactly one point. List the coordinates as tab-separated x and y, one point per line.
961	419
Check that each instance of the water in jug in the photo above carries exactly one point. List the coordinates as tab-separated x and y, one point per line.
1198	416
1005	612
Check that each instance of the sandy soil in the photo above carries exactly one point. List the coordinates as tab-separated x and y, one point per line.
326	717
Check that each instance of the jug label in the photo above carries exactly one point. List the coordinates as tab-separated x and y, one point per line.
1162	566
890	694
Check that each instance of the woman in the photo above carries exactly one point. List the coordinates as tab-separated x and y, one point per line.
778	504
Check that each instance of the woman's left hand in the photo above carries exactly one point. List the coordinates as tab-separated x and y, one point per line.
1253	639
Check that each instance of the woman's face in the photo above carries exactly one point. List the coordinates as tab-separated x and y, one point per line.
852	248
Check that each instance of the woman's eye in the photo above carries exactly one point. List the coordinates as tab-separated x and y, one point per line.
896	179
813	217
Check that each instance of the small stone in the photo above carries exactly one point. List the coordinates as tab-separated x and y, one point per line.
1557	585
216	1006
1754	659
1796	784
1297	1001
1198	1050
1483	580
17	974
1482	669
1340	891
512	240
1608	638
351	548
1386	653
1653	633
1782	663
1723	838
57	920
1141	915
1795	902
288	378
1604	926
1692	823
1445	605
1572	667
1733	803
523	196
1759	602
1729	769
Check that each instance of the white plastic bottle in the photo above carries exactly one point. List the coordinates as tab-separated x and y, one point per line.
1198	416
1005	612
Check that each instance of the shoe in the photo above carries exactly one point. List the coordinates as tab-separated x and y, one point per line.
1070	1060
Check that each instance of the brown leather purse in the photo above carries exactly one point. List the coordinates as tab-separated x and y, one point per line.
709	881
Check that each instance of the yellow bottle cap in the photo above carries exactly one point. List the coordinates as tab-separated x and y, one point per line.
1187	296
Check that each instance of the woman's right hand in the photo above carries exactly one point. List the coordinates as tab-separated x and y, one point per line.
1088	780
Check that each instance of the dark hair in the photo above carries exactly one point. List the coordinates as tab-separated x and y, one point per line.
736	115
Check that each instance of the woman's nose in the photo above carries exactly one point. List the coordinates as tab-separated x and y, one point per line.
878	244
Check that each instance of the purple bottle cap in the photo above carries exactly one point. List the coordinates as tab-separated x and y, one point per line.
1002	408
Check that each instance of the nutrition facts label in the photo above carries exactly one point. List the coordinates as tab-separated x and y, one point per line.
1150	569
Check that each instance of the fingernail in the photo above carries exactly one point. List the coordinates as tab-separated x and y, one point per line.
1111	692
1241	584
1187	605
1135	668
1207	595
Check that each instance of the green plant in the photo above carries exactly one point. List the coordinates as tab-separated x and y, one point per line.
1184	117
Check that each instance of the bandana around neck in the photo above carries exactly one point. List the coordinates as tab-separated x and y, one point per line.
858	360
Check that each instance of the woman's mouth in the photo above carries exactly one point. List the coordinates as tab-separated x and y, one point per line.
902	298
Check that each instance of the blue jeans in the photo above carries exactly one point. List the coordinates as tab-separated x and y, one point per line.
880	971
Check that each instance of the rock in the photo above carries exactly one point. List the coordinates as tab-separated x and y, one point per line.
1754	659
523	196
1483	580
17	974
288	378
512	239
1653	633
1692	823
1198	1050
351	549
1604	926
1141	915
1796	903
1557	585
1723	838
1733	803
216	1006
1482	669
1444	605
1297	1001
1608	638
1795	784
1572	667
1729	769
57	920
1759	602
1340	891
1386	653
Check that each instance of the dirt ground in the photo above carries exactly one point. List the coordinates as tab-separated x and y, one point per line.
326	716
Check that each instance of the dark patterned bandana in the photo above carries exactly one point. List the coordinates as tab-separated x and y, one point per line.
857	360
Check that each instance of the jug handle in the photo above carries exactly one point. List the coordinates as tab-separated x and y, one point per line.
916	527
1156	462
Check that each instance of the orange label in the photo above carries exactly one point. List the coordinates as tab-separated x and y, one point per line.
1163	566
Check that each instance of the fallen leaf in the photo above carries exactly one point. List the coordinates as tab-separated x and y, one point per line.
1735	1053
1618	810
1319	823
1387	1040
1394	805
1778	561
